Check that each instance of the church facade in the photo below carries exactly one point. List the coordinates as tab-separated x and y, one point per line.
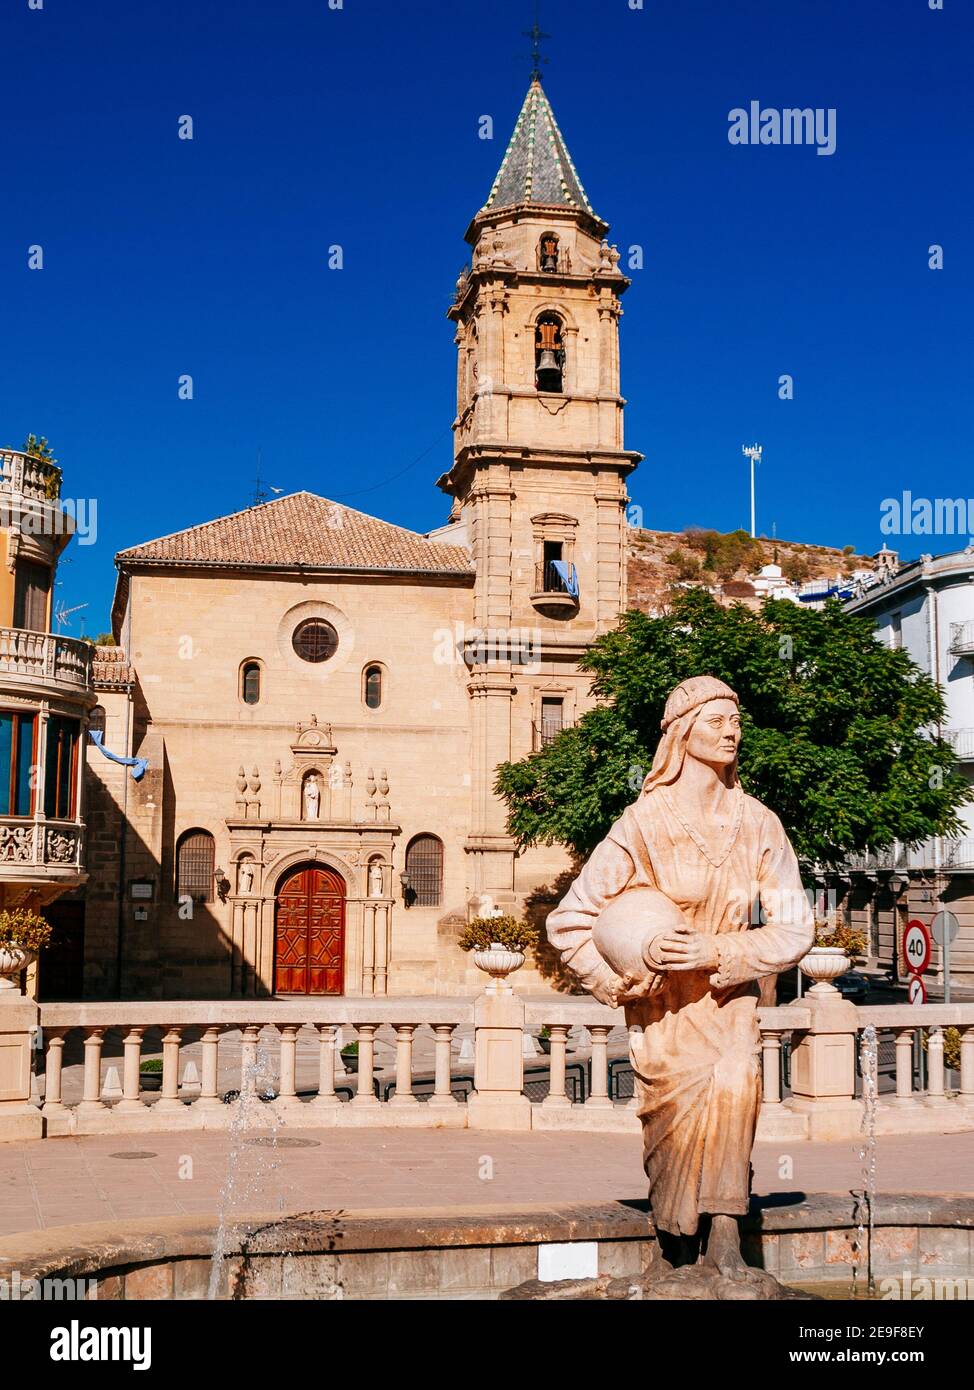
323	698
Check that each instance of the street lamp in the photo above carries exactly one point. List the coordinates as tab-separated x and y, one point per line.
753	452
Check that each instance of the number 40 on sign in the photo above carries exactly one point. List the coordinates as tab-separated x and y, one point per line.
916	947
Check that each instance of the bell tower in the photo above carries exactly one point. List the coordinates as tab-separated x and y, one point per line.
539	469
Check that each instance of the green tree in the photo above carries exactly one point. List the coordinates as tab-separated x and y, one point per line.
835	729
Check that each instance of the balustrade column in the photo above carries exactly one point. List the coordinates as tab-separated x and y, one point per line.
442	1088
403	1094
91	1096
53	1067
557	1097
967	1066
209	1096
904	1067
771	1068
289	1056
249	1043
131	1087
935	1067
365	1096
599	1033
326	1098
169	1099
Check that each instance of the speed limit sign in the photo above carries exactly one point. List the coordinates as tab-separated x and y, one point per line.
917	992
916	947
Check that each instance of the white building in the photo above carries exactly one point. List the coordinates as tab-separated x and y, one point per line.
927	608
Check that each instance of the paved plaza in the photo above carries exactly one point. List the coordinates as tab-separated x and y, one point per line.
64	1181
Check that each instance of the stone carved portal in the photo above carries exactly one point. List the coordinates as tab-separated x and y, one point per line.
309	932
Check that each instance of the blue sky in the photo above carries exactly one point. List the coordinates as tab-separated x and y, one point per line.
359	126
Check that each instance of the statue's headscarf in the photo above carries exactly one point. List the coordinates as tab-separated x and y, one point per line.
683	707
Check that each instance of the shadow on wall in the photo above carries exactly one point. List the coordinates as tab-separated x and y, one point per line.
539	902
164	953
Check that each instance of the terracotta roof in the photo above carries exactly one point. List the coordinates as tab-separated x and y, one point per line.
301	530
109	668
537	167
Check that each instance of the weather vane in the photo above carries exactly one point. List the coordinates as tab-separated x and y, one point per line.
536	34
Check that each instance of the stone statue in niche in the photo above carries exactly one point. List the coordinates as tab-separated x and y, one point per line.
375	879
658	921
245	877
311	797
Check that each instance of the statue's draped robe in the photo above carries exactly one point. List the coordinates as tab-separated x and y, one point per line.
694	1041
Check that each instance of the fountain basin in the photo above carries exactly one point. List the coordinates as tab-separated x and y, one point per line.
479	1252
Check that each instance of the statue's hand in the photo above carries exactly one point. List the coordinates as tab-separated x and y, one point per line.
684	949
637	987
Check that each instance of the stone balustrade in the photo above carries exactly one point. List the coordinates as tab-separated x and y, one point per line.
427	1086
44	658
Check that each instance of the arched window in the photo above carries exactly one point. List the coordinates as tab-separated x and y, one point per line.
548	253
96	720
195	860
372	686
315	640
250	682
424	871
549	354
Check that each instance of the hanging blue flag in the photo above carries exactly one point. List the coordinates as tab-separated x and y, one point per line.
566	573
138	765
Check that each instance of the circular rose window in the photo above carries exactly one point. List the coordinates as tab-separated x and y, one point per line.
315	640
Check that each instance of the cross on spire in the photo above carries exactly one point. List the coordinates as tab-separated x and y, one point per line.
536	34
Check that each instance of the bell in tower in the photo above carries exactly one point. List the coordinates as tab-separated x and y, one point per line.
549	355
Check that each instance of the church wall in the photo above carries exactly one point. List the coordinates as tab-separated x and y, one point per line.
189	635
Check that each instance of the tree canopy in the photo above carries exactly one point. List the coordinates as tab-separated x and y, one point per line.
838	730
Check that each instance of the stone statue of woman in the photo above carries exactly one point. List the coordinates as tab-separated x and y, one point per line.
312	797
658	920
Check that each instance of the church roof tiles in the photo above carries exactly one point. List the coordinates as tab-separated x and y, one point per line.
301	530
537	167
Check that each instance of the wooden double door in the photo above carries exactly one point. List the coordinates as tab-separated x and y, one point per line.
309	934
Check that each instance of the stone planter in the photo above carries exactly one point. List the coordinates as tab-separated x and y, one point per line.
150	1080
350	1060
824	964
544	1043
13	959
497	960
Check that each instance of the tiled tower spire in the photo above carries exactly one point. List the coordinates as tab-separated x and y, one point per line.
537	167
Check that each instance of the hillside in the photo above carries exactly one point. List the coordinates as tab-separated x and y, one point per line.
725	562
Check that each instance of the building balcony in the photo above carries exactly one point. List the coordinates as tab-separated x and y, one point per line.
962	639
556	587
23	475
959	855
41	853
43	663
931	856
962	742
545	731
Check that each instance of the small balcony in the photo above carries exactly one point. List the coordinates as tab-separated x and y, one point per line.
24	475
959	855
556	587
44	854
39	661
545	731
962	742
962	639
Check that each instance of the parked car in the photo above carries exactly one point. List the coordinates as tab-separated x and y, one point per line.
853	986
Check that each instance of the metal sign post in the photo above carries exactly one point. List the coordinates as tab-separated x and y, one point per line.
943	929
